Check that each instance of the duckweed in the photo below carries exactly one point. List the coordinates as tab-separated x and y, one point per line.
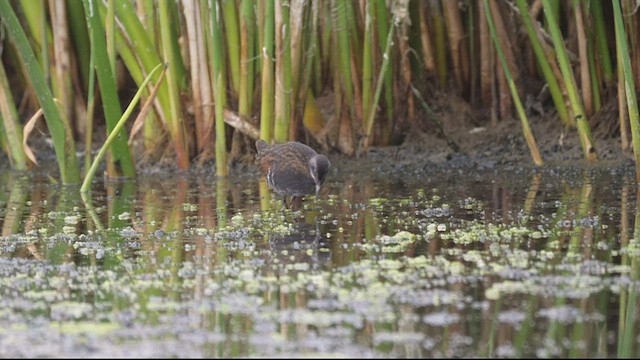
423	273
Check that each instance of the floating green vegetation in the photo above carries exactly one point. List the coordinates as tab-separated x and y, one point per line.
474	232
429	273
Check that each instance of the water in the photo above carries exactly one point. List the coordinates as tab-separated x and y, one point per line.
458	263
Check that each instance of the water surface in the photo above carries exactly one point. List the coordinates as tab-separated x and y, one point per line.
494	263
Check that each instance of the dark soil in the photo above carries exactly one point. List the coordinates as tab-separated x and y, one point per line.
425	150
483	147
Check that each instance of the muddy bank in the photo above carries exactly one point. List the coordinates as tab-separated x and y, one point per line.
423	151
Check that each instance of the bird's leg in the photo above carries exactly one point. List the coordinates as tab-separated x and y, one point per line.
295	202
284	202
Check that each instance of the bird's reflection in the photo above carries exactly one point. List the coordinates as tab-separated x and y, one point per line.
303	244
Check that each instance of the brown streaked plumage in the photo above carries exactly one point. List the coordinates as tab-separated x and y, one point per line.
292	169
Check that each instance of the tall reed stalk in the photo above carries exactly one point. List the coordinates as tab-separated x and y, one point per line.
57	124
584	130
341	28
335	73
175	119
283	72
543	62
10	127
219	89
247	61
629	85
120	162
266	54
115	133
528	134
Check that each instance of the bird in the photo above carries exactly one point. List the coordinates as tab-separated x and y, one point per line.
292	168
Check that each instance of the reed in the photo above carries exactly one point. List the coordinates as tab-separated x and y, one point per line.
10	127
341	33
600	34
338	73
120	162
232	48
57	124
543	62
247	55
383	20
528	134
268	72
629	84
219	89
282	72
115	133
170	53
577	107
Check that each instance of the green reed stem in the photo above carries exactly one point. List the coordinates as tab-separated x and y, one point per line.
632	102
543	62
594	73
114	134
584	131
91	104
367	64
110	32
230	13
379	83
10	127
267	103
140	56
297	14
528	134
63	143
121	162
439	34
219	89
35	15
312	57
341	28
175	118
78	29
283	72
602	42
247	54
383	19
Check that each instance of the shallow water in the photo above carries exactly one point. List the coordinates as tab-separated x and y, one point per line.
500	263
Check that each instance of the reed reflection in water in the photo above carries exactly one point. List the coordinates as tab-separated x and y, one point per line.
533	265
